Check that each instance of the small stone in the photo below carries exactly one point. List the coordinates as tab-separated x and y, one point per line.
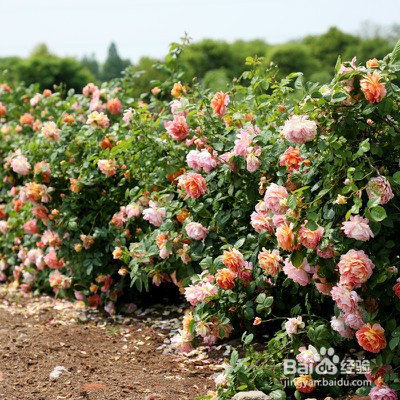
251	395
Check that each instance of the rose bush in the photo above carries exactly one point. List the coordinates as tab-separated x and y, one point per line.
272	206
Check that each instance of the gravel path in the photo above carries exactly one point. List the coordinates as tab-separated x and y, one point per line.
123	359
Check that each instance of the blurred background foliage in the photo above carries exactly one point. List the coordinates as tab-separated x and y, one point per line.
214	62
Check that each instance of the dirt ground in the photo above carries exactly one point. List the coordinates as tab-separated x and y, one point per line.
123	359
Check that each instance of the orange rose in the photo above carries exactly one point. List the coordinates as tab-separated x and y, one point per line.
26	119
219	103
304	383
181	217
285	236
194	185
374	90
225	279
396	289
177	90
233	259
374	63
291	158
371	338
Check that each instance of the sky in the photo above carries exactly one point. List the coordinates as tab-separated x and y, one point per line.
146	27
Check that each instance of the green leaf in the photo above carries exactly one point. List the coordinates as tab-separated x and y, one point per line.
292	201
249	339
378	213
239	243
394	342
396	177
297	258
395	57
312	225
278	395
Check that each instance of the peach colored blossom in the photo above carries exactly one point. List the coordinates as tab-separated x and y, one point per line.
225	279
309	238
194	184
219	103
374	90
233	259
355	268
285	236
270	261
371	338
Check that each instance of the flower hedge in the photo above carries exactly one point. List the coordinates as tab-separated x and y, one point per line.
273	206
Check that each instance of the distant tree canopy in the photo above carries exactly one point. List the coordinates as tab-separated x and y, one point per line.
214	62
114	64
46	69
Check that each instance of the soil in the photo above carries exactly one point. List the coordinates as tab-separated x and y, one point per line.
125	358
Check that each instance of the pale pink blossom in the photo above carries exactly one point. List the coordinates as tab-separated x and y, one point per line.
3	227
183	341
20	164
308	356
177	128
50	131
379	187
133	210
299	129
198	160
30	227
354	320
300	275
338	325
347	300
357	228
155	215
275	198
382	393
261	221
196	231
293	324
52	261
107	167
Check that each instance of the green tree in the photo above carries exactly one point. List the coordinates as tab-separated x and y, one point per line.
92	65
114	64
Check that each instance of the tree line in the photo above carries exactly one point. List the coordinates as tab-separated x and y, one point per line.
214	62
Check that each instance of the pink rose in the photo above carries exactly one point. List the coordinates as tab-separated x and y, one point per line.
50	131
354	320
299	275
275	198
382	393
260	221
107	167
133	210
357	228
299	129
30	227
379	187
346	299
293	324
196	231
178	128
20	165
338	325
154	214
52	261
309	238
355	268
